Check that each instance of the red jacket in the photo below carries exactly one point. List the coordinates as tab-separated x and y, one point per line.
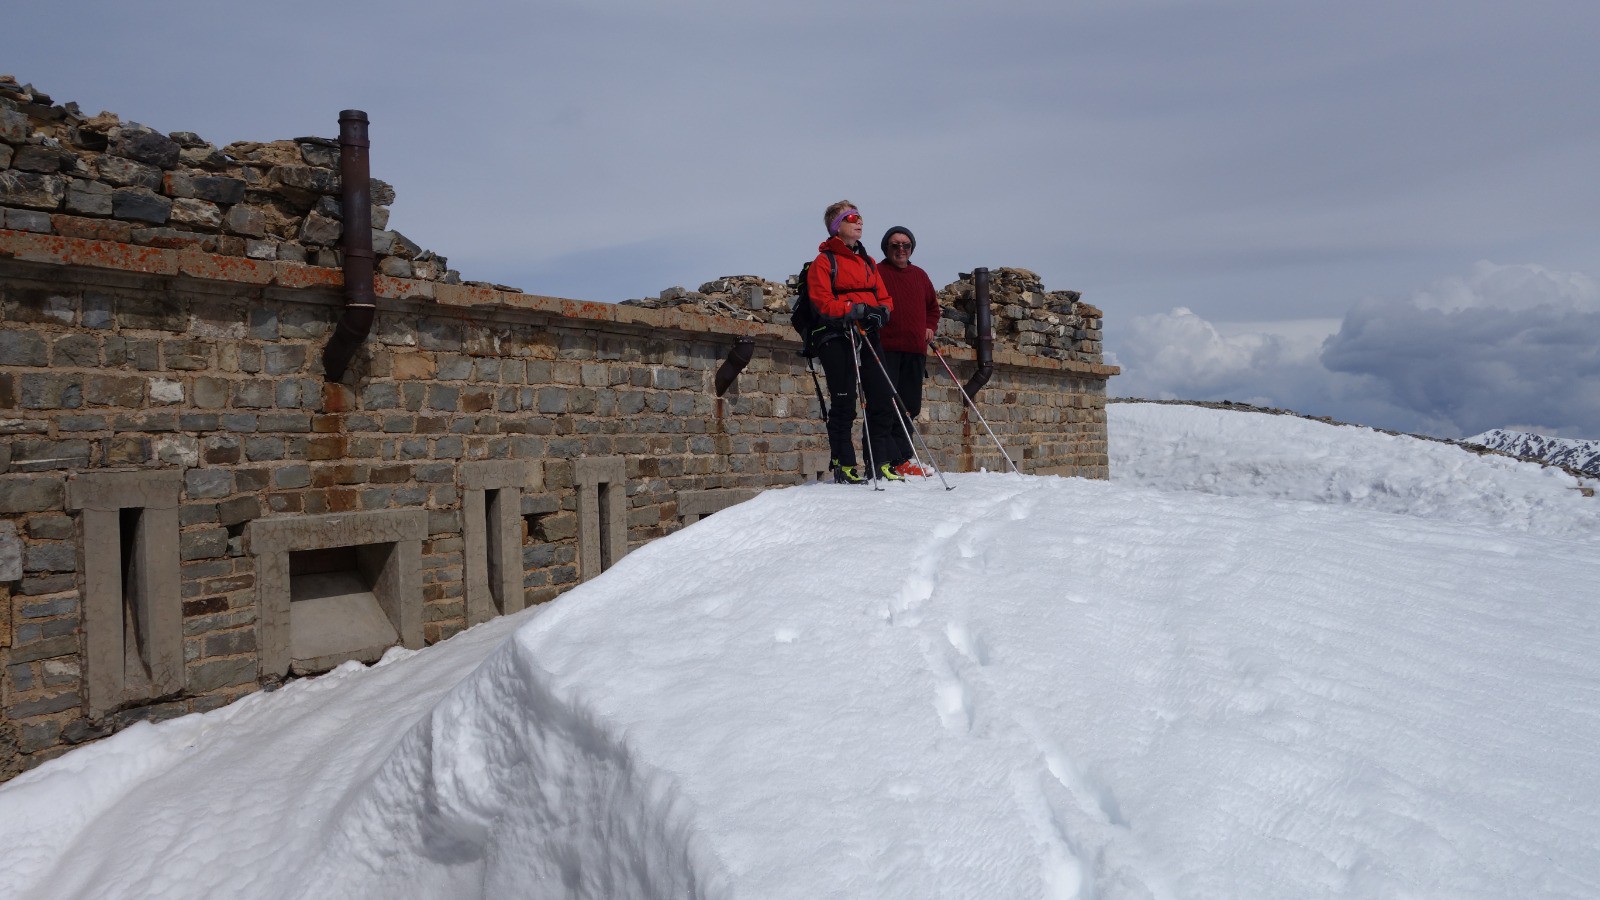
857	281
916	309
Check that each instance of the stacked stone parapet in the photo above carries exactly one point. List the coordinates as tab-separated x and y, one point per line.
1026	318
102	178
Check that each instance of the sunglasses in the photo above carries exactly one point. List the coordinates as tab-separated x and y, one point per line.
900	245
852	218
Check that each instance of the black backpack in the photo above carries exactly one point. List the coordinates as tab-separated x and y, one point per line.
804	317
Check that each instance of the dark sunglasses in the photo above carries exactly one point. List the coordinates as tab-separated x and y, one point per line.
899	245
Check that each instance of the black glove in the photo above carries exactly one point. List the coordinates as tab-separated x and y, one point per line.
876	316
857	313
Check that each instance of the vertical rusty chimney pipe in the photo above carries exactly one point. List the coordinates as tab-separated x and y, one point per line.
985	327
360	302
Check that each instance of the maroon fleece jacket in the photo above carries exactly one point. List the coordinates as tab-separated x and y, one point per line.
916	308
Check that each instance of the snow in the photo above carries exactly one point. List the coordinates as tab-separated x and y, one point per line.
1271	658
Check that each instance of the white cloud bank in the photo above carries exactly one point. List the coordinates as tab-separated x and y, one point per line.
1503	346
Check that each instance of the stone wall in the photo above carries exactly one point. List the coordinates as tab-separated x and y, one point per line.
190	512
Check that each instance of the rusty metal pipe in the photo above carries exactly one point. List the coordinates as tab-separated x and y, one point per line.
360	302
984	322
739	357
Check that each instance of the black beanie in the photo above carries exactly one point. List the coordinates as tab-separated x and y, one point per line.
898	229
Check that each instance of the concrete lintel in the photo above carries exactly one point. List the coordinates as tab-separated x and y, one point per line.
144	488
385	526
591	471
498	474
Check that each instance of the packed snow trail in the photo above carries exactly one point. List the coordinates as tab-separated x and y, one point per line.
1027	687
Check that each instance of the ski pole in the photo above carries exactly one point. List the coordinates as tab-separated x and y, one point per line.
855	351
904	415
974	406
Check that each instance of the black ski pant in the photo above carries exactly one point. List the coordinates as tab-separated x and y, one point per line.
906	373
838	361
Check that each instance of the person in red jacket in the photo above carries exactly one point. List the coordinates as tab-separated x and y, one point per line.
850	298
906	337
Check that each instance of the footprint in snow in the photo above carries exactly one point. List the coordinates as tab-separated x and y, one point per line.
967	643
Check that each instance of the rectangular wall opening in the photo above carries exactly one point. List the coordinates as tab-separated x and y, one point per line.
336	587
132	607
602	513
603	507
492	535
135	628
493	564
334	610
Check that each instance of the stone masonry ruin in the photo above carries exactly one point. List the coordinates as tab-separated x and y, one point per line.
191	512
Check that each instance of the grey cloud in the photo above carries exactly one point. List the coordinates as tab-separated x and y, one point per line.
1514	344
1501	345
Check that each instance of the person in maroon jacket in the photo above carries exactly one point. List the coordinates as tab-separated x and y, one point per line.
906	338
850	298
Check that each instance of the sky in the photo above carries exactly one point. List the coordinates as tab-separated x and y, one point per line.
1269	658
1287	173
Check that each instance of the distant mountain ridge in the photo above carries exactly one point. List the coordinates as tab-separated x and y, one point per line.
1583	455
